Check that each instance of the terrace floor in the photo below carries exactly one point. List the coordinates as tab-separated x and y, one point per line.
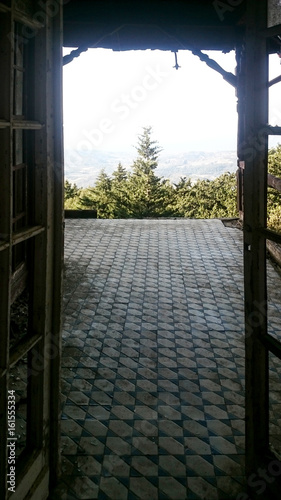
153	360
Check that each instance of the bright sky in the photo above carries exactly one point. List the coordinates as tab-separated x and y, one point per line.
110	96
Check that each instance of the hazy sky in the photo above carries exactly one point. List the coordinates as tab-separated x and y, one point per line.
109	96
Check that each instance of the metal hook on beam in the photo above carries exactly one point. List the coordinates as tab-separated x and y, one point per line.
176	60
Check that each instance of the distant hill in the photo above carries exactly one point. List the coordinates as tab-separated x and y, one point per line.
83	167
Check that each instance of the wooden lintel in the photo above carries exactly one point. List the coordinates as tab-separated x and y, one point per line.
135	36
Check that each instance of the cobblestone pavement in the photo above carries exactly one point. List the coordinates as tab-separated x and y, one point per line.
153	360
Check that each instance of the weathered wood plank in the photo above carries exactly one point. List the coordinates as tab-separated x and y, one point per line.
4	124
27	124
274	250
274	182
270	235
26	234
272	31
253	150
22	348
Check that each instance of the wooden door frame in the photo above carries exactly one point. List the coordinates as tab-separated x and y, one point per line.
253	134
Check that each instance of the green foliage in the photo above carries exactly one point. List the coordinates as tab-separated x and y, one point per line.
273	196
274	161
99	197
274	219
148	152
207	199
120	193
151	196
141	193
70	190
146	194
71	196
87	200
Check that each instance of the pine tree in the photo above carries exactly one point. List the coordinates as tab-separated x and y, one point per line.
71	195
87	199
207	199
119	191
120	174
70	190
148	152
181	196
99	197
146	189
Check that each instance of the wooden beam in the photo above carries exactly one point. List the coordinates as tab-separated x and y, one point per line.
58	250
267	234
272	31
253	150
151	36
270	130
227	76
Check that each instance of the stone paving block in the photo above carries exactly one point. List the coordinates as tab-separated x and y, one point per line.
153	361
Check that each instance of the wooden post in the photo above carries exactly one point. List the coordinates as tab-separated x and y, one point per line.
58	215
253	150
5	236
